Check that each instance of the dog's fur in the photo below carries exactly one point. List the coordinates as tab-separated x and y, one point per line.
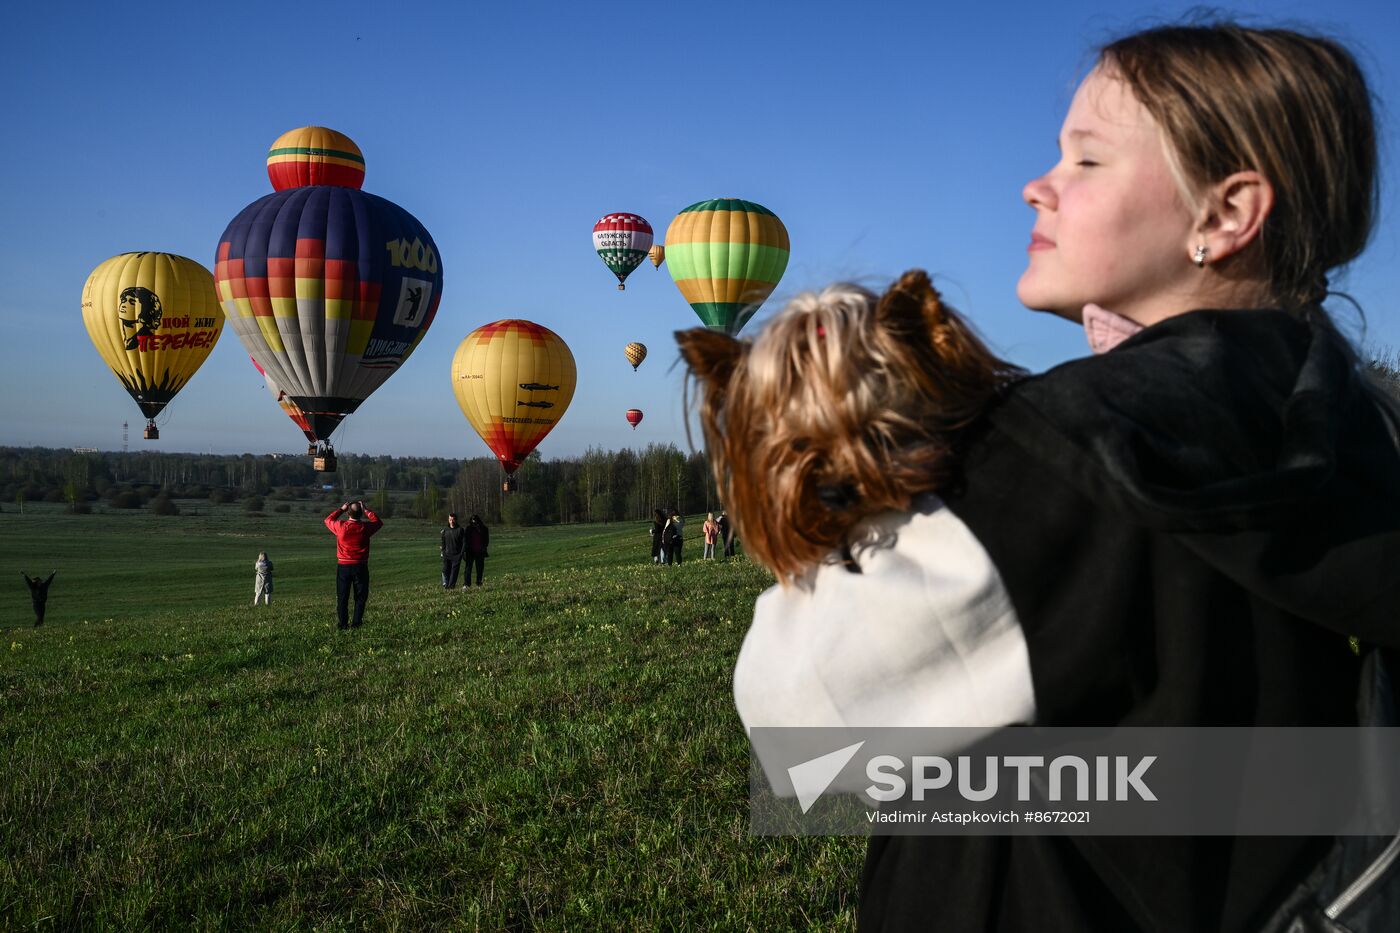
845	405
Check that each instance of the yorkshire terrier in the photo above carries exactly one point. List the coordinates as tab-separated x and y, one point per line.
847	404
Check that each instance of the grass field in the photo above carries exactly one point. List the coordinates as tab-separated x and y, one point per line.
557	750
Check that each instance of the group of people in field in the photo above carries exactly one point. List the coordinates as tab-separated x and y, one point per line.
1195	525
667	534
353	525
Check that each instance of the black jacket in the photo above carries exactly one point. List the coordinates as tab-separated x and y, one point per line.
454	542
1189	527
478	539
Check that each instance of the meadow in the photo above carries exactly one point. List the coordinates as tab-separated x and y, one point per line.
555	750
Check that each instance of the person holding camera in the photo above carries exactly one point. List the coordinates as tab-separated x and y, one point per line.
353	525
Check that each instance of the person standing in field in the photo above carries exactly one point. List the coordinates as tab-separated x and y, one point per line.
711	532
262	579
478	538
452	550
726	532
658	528
353	525
38	595
673	537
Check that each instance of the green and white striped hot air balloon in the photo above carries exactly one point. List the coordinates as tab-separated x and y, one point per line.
726	256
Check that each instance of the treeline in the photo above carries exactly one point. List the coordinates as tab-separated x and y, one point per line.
600	486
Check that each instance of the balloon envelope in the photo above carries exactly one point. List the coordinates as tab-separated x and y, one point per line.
330	289
726	257
513	380
287	405
622	242
634	417
635	353
154	319
657	254
315	155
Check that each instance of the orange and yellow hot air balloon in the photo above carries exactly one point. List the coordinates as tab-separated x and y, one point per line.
514	380
153	318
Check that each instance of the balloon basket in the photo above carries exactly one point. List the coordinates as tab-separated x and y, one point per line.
324	463
152	433
508	485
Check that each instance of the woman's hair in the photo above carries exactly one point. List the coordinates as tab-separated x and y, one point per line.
262	555
1294	108
847	404
658	515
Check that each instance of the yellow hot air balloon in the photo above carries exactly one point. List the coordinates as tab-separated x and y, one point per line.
153	318
635	353
514	380
657	255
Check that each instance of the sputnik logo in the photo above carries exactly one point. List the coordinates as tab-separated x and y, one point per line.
810	779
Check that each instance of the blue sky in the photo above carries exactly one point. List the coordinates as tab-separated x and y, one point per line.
886	136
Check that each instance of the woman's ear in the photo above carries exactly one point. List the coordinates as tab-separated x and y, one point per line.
711	355
1232	214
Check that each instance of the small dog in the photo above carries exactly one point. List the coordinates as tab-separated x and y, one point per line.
846	405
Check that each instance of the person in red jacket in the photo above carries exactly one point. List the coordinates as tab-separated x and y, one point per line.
352	534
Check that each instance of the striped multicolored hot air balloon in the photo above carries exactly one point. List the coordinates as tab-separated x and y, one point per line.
286	404
634	417
514	381
315	155
154	319
726	256
330	289
622	241
635	352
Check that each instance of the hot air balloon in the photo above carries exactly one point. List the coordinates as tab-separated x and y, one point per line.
657	255
634	417
622	241
726	256
153	318
315	155
635	352
288	406
514	381
330	289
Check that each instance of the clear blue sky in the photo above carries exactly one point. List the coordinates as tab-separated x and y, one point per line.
885	135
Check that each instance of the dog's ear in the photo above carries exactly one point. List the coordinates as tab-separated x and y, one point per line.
911	305
711	355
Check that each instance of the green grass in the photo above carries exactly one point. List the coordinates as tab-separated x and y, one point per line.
558	750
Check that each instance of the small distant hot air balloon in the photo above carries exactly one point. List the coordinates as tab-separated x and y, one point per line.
154	319
634	417
636	352
315	155
330	289
622	241
726	256
657	255
513	380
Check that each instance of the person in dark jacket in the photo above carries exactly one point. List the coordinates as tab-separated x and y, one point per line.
658	528
673	538
353	525
452	549
478	540
38	595
1191	524
726	533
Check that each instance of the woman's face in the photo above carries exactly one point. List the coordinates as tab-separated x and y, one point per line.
1111	227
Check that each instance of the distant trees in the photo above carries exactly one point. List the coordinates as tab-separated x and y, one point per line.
599	486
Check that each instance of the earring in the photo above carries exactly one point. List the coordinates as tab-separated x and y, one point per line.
1199	257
